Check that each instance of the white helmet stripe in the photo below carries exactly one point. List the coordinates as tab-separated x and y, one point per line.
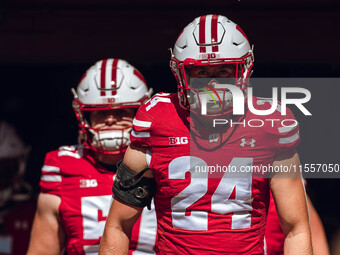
108	75
208	32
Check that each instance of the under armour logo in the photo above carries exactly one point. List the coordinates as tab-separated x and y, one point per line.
213	138
249	143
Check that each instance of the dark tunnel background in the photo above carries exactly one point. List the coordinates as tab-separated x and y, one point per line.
46	46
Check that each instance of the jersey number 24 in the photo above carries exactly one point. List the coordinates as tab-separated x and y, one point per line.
220	202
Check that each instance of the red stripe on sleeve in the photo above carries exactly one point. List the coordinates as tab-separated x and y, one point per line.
102	77
202	33
114	76
214	37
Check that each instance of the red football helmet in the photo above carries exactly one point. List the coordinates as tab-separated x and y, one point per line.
108	84
210	41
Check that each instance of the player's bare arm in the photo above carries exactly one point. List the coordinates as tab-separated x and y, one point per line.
122	217
135	159
319	240
47	236
290	200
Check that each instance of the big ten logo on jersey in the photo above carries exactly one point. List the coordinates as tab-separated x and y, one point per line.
178	140
159	97
88	183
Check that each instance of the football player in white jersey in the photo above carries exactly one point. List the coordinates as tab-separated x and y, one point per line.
76	181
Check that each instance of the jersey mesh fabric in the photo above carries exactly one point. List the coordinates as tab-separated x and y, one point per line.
209	212
85	189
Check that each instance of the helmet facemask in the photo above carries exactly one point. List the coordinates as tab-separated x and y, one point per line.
110	140
109	85
211	41
209	96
